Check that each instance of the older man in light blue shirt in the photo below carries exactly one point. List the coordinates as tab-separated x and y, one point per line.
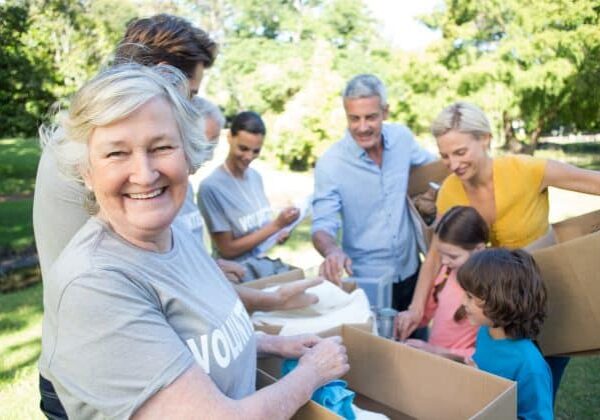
363	178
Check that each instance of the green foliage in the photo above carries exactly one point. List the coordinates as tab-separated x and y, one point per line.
531	63
18	164
49	48
16	229
24	95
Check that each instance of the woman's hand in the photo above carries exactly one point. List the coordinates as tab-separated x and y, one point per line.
327	359
282	237
233	271
286	217
293	295
406	322
291	347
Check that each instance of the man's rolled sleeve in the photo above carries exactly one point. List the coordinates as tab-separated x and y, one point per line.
326	204
418	155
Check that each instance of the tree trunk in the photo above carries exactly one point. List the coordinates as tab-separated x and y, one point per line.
511	144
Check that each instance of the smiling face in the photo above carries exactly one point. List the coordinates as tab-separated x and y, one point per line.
463	154
365	118
244	147
138	173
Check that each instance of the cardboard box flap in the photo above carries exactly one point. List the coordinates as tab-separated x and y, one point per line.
571	271
452	380
420	176
577	226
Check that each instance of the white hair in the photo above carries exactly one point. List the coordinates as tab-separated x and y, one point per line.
112	95
209	110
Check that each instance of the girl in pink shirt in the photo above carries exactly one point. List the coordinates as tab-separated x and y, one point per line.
459	233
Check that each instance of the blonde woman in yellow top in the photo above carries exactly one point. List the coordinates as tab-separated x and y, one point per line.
510	192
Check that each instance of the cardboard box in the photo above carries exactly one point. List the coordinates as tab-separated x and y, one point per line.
571	272
418	183
293	275
402	383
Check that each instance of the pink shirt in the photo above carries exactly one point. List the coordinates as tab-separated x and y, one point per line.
458	337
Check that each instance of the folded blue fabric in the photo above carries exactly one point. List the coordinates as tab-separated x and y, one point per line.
335	395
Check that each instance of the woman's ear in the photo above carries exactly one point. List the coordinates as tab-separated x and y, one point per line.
487	140
87	179
480	247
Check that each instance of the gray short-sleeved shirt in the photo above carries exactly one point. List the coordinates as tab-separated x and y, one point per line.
120	323
239	206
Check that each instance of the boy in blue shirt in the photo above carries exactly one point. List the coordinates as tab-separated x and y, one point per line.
504	293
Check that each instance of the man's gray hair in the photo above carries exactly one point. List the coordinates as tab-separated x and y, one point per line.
365	86
209	110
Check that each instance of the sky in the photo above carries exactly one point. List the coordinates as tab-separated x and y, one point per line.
399	22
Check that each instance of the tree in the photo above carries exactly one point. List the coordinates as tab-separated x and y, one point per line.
530	58
23	94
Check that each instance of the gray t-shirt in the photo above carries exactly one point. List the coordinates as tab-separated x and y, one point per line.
121	323
58	211
234	205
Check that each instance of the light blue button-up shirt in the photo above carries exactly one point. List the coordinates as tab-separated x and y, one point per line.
377	233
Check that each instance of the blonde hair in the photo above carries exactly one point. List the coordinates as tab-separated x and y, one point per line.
463	117
112	95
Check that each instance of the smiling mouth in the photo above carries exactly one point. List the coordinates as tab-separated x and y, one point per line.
148	195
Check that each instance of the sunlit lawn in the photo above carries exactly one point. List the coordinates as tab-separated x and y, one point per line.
18	162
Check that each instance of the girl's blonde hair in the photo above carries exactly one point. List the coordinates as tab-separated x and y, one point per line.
463	117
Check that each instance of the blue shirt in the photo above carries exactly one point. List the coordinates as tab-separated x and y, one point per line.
371	200
518	360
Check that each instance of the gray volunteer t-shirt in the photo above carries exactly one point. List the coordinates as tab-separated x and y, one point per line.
120	323
234	205
189	216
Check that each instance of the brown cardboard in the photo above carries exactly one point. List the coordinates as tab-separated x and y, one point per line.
418	183
403	382
294	275
571	272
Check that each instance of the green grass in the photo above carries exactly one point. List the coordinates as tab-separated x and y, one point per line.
20	333
18	165
16	224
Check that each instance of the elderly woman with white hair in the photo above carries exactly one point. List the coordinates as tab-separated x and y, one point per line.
138	320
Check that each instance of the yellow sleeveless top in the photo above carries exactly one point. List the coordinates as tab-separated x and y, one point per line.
521	209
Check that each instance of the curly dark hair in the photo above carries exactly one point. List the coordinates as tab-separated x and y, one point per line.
510	284
166	39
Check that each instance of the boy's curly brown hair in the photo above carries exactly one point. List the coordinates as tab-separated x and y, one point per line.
510	284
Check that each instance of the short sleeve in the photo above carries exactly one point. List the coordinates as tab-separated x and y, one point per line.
532	169
212	210
326	204
418	155
113	347
534	397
